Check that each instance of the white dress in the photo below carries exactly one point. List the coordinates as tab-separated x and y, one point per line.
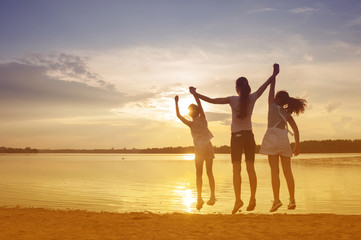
275	140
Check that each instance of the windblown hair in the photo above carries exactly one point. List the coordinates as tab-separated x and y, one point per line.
244	89
290	104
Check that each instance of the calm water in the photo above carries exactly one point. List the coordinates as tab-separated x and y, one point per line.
325	183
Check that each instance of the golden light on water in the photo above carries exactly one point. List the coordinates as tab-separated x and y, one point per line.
188	157
188	200
186	197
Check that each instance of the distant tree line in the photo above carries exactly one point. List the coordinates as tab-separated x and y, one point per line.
331	146
18	150
313	146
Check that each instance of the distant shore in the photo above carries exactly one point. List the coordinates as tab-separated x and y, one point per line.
36	223
312	146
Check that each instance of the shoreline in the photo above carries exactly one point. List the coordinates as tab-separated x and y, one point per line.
144	152
41	223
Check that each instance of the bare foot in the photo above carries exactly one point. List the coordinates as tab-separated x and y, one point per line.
211	201
200	203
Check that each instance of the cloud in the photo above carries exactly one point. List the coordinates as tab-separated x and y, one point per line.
67	67
32	97
143	68
27	90
354	22
308	57
295	10
215	116
331	106
117	132
346	127
261	10
346	48
303	10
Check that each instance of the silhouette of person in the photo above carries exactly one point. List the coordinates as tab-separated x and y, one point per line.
203	147
242	139
276	144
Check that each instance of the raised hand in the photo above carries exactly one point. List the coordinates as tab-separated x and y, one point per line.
192	90
276	69
176	98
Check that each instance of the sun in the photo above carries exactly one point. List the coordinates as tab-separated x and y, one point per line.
185	101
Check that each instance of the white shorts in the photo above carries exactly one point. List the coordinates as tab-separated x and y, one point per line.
276	142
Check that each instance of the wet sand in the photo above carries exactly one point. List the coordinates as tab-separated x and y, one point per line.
36	223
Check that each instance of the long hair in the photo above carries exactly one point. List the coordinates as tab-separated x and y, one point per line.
290	104
244	90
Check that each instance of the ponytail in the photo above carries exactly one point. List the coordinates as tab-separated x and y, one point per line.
290	104
296	105
244	91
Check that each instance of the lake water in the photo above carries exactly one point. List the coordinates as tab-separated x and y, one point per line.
161	183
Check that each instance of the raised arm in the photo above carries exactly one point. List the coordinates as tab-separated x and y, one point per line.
291	121
191	89
263	87
207	99
185	121
271	95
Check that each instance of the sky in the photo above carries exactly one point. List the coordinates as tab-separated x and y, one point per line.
103	74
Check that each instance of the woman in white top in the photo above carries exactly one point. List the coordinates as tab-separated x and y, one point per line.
242	139
276	144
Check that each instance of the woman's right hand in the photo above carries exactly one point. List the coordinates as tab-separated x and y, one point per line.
276	69
176	98
192	90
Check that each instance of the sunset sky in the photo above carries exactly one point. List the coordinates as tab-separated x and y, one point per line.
103	74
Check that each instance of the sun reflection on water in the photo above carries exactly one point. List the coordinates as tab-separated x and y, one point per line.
186	197
188	157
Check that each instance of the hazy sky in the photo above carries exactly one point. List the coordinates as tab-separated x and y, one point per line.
103	74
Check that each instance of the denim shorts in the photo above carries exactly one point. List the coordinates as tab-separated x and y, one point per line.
243	141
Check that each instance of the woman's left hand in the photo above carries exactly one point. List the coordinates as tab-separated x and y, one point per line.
296	150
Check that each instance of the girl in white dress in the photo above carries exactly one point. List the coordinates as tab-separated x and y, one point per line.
276	144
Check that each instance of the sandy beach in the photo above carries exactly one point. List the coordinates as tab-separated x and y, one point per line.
36	223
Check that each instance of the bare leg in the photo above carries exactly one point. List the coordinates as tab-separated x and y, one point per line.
253	184
287	171
209	165
199	173
252	178
273	162
237	180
